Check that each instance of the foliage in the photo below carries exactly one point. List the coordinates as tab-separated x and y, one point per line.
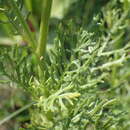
83	80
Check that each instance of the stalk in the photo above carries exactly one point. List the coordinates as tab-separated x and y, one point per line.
46	7
16	113
28	33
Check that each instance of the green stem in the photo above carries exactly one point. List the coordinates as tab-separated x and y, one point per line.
24	24
16	113
44	27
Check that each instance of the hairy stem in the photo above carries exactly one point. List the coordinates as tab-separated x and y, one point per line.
44	27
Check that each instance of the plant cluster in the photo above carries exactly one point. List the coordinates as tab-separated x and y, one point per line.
82	81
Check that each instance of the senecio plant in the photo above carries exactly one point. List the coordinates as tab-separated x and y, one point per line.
82	81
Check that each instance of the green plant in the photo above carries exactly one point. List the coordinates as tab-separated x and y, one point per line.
81	82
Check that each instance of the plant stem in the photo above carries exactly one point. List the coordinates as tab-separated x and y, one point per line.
16	113
28	33
44	27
